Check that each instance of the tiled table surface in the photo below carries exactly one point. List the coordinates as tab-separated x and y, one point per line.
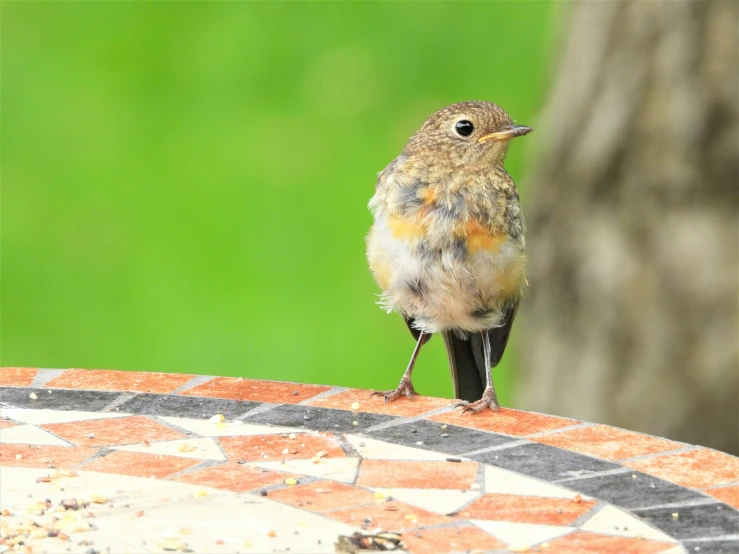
294	467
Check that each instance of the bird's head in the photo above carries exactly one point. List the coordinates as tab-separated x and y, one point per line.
465	134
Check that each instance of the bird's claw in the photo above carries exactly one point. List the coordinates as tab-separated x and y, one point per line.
488	400
404	388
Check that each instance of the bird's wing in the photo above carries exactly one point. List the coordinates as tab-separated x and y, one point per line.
466	360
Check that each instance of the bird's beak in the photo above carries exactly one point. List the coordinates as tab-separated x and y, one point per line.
512	131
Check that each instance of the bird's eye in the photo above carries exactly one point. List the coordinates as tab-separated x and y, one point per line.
464	128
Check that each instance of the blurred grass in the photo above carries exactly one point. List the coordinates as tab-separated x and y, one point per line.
185	184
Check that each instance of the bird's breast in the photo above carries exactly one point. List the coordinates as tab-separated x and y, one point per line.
445	262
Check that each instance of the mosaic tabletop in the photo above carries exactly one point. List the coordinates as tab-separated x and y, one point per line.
122	462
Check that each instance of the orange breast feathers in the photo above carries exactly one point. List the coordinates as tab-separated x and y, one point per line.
479	238
406	228
476	237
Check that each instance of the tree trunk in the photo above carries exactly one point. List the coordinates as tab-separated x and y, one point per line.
632	315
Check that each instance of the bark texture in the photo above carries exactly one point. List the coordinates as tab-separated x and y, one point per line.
632	315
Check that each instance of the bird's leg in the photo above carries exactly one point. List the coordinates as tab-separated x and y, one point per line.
489	398
405	386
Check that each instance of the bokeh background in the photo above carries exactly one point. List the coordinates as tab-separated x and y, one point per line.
184	189
185	185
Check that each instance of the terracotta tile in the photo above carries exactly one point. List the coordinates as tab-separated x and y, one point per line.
139	465
507	421
450	539
30	434
592	543
4	424
316	497
526	509
133	381
17	376
257	391
730	495
115	431
608	443
697	469
389	516
376	405
304	445
337	469
407	474
42	456
234	477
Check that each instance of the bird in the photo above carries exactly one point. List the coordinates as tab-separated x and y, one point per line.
447	245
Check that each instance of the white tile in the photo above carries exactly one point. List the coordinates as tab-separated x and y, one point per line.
168	507
436	500
675	550
205	428
29	434
205	449
338	469
40	417
612	521
385	451
502	481
521	534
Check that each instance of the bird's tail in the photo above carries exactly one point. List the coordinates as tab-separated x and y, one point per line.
467	359
467	365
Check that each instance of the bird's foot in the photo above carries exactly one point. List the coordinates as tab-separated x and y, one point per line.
405	387
488	400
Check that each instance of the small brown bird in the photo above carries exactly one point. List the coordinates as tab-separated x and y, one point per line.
447	244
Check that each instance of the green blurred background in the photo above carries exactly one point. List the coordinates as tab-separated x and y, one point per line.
185	184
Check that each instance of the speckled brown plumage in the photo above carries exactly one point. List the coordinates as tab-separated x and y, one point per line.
447	243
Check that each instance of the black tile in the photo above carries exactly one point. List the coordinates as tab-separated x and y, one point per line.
318	419
623	490
543	461
694	522
712	546
459	441
59	399
184	406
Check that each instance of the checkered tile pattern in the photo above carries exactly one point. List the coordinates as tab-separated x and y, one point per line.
296	466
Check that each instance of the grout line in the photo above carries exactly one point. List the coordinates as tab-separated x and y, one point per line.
101	453
400	420
347	446
219	445
480	478
203	464
581	425
476	493
386	425
331	392
683	504
44	375
258	409
189	434
356	473
117	401
687	448
570	532
40	427
590	514
192	383
593	475
496	447
725	485
718	538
